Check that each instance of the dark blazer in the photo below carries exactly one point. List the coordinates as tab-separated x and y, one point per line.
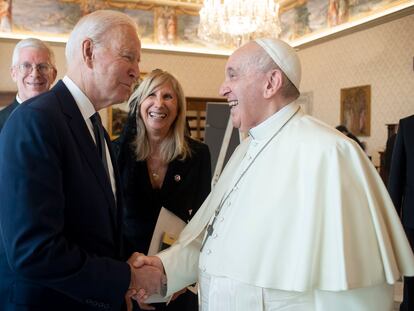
186	185
60	230
401	179
5	113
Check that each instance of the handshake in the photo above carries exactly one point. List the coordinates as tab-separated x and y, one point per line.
147	278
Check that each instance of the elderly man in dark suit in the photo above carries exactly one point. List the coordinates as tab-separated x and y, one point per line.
33	69
60	215
401	188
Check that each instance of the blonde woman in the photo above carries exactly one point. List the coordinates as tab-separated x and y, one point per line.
160	166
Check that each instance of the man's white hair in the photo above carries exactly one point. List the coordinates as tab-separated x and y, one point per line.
94	26
32	43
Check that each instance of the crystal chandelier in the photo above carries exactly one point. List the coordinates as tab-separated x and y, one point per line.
233	22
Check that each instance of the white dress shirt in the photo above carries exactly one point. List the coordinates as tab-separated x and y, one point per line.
87	110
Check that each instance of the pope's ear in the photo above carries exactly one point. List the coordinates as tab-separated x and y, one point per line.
273	83
88	52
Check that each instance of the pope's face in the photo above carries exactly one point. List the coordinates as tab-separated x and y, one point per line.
159	110
34	73
243	88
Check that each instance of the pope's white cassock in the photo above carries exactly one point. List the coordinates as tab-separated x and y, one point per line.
304	223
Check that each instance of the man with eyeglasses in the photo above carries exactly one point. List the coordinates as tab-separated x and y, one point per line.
33	69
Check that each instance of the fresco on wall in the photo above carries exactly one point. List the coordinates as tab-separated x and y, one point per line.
174	26
145	22
187	28
301	18
44	16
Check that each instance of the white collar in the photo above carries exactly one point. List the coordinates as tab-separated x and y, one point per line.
275	121
84	104
18	99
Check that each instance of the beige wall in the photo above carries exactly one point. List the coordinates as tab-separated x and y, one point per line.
381	56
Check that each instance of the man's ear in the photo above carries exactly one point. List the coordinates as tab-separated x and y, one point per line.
13	73
54	73
88	52
273	83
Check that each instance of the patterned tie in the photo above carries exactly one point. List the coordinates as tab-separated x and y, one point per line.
100	139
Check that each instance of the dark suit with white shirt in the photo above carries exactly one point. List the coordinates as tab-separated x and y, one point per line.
60	222
401	189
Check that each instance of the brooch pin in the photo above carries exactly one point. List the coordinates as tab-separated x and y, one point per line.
177	178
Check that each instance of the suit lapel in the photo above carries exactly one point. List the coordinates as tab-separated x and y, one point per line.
10	108
82	136
14	105
118	210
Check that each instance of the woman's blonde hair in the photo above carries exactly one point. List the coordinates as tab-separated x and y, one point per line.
174	145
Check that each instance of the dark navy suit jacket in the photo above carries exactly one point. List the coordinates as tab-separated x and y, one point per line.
401	180
5	113
60	232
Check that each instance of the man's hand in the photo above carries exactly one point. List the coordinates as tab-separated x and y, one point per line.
128	298
146	279
140	261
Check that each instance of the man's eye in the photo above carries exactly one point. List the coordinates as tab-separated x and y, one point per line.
128	57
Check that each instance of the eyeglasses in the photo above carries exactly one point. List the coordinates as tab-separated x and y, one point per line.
27	68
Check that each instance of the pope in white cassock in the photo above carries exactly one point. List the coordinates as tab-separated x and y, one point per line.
300	219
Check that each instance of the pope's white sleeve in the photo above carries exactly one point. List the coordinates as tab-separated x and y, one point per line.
181	264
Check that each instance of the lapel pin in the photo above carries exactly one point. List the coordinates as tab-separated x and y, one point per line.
177	178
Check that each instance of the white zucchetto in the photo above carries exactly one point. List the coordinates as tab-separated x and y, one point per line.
284	56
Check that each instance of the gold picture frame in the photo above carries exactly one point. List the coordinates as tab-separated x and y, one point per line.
356	109
117	117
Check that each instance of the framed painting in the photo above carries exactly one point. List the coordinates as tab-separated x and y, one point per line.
117	117
356	109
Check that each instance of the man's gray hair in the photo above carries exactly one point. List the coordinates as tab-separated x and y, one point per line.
32	43
95	26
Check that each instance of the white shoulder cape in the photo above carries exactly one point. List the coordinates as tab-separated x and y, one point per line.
312	213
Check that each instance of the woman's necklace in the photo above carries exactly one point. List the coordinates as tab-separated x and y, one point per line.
155	175
156	171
